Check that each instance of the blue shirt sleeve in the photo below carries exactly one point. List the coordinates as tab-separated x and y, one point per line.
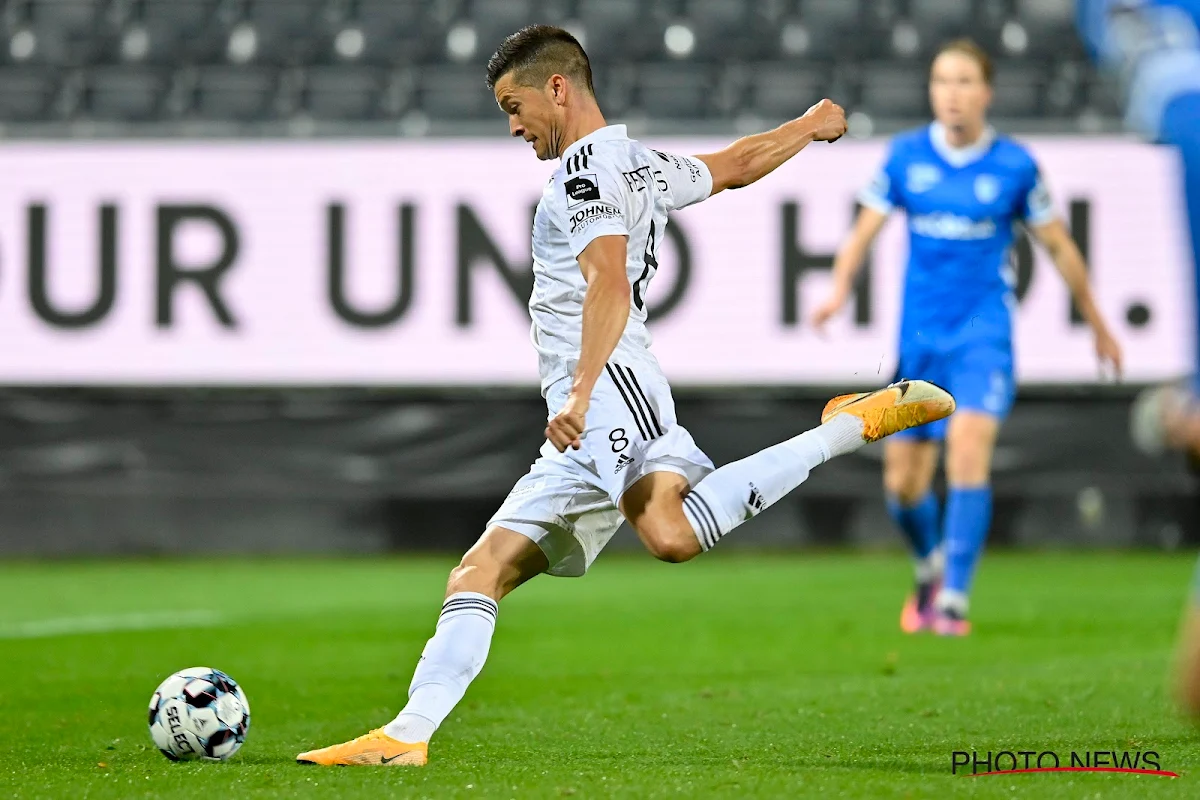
1036	206
883	192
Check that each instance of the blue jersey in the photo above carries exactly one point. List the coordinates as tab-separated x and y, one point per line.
962	206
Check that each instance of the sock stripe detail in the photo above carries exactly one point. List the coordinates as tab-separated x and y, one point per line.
463	604
469	601
636	418
712	517
649	408
699	521
709	533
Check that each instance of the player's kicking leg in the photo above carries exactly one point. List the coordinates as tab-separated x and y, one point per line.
498	563
677	524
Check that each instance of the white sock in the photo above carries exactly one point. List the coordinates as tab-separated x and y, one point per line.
450	661
951	601
931	566
738	491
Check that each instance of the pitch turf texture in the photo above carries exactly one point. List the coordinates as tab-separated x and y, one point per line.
734	676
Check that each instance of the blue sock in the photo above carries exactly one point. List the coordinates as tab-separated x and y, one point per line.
919	522
968	517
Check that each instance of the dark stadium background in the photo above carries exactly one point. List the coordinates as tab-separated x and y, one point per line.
156	469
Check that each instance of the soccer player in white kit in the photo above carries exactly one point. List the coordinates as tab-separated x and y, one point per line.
614	449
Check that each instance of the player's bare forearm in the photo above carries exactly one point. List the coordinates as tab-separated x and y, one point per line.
851	255
1070	264
605	314
848	262
605	308
752	158
1057	240
761	154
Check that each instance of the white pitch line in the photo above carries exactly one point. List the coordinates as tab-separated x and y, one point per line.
108	623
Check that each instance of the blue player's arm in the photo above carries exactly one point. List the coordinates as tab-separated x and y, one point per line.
1054	236
848	261
752	158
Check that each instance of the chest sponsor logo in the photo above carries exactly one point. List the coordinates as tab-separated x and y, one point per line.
593	213
952	226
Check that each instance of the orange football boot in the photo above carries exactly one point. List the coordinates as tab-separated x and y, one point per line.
374	749
895	408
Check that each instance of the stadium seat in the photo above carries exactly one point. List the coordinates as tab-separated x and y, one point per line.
287	31
834	27
183	31
72	17
896	90
26	93
396	31
674	92
1050	27
1017	89
495	19
723	29
124	93
785	90
235	93
68	31
453	92
615	85
607	27
343	92
939	20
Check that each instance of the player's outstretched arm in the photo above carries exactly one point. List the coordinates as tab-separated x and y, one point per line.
605	313
848	262
753	157
1057	240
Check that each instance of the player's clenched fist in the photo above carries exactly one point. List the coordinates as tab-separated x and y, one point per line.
565	427
829	119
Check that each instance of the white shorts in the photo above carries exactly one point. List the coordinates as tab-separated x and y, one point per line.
568	502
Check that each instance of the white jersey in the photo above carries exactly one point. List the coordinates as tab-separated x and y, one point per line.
606	185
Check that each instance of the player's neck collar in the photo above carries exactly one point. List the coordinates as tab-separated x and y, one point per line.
960	156
599	135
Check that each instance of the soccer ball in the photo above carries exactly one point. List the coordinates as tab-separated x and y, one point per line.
199	713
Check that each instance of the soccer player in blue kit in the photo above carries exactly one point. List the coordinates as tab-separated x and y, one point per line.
1155	45
964	188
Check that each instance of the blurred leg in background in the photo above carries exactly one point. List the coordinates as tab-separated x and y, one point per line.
1156	48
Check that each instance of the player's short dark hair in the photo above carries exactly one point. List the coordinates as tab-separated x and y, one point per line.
970	48
536	52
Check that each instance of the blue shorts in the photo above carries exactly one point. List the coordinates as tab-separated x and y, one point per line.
979	375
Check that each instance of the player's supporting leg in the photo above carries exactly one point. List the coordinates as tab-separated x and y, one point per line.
909	465
498	563
677	524
970	441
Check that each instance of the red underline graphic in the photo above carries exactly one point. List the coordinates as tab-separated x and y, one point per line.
1160	772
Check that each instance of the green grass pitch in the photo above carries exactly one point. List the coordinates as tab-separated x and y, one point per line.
734	676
